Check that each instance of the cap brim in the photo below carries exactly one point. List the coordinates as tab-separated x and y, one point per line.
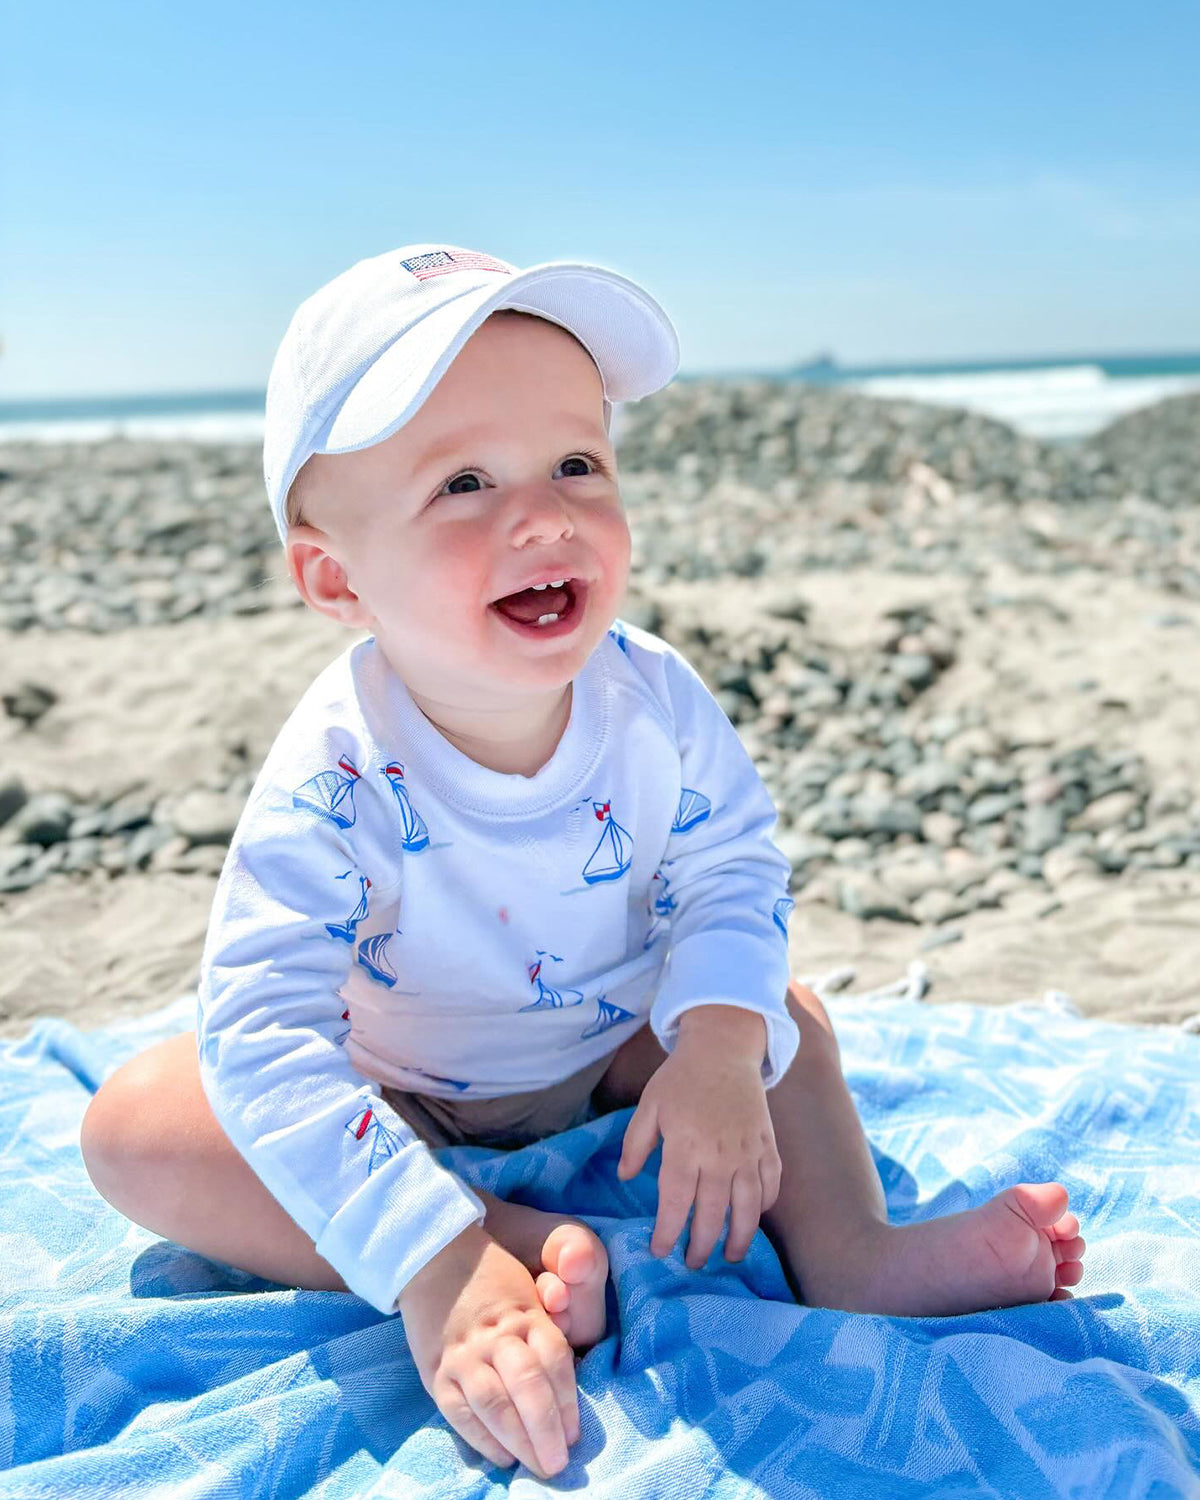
626	332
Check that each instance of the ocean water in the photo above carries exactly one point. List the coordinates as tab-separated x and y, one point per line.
1054	399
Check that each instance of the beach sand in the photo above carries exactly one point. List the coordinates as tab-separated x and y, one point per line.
157	708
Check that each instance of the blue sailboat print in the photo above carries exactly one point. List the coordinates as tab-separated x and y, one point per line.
660	906
693	808
414	834
613	855
657	930
345	930
372	954
781	911
331	795
617	631
610	1015
384	1142
548	999
342	1035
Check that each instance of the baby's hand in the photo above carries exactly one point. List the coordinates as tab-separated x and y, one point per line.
500	1371
710	1107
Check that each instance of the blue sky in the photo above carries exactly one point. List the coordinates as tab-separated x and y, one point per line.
890	182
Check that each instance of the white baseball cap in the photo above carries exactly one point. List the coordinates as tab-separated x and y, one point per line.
361	354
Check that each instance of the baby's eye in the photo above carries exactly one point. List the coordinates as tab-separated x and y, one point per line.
592	464
455	480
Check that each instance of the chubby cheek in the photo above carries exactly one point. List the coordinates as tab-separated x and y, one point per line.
612	546
448	591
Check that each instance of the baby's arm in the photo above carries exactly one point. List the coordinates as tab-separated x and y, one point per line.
728	880
403	1232
721	1011
342	1162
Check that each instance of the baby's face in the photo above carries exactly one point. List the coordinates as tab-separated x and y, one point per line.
505	470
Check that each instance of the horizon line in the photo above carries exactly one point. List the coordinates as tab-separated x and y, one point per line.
824	358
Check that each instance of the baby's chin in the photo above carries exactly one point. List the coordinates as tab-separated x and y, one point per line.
429	659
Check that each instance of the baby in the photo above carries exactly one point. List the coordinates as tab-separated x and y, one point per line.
506	866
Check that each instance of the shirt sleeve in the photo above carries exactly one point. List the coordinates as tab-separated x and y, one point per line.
727	882
344	1165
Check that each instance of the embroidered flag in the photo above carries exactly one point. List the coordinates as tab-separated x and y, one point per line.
442	262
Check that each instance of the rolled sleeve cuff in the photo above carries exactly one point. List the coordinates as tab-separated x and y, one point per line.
714	969
400	1218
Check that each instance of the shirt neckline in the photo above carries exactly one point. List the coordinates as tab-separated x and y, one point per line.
430	758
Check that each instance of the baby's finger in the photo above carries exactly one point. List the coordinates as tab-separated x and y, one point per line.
456	1409
745	1211
676	1193
712	1199
558	1361
533	1396
491	1402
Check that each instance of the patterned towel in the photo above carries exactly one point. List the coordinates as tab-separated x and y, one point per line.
132	1367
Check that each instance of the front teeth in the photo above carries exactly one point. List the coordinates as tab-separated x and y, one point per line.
557	585
546	619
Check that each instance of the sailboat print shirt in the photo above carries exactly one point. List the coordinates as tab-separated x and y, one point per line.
391	912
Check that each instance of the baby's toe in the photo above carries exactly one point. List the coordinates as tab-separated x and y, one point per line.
1070	1273
1065	1250
1041	1204
570	1251
554	1293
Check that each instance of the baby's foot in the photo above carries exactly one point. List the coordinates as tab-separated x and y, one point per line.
1022	1246
572	1285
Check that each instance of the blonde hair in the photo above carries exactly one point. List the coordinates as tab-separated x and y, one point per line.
293	506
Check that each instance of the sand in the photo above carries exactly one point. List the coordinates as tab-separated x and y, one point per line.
156	708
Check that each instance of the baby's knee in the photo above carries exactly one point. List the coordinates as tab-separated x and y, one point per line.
817	1036
117	1138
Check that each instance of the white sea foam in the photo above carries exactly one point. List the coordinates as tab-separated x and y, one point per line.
1056	401
197	427
1067	401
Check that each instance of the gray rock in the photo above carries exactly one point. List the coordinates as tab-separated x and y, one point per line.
126	813
917	670
1043	827
1106	811
45	819
890	815
939	906
991	808
14	857
912	878
927	781
82	854
860	894
205	817
940	938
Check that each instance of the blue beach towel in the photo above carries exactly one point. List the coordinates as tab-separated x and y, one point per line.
131	1367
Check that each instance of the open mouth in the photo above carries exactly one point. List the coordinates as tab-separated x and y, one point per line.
544	613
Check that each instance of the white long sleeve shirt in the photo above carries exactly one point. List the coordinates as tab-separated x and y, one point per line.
391	912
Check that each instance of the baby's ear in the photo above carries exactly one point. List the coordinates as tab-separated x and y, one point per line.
320	578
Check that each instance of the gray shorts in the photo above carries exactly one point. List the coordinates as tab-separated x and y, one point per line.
505	1123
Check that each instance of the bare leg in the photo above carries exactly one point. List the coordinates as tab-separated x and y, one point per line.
829	1224
187	1182
826	1159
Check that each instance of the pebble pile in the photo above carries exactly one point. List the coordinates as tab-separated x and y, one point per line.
885	809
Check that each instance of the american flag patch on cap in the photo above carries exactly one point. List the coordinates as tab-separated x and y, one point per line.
442	262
